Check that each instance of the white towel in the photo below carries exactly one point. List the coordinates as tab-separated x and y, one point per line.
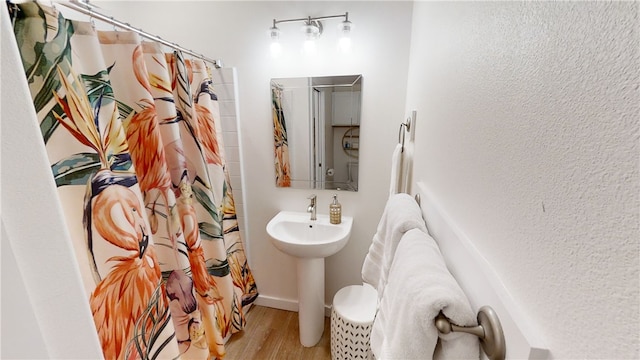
406	169
396	170
419	287
400	215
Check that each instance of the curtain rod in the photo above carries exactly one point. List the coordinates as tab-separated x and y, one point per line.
75	5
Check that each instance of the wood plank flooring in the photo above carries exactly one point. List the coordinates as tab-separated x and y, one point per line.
273	334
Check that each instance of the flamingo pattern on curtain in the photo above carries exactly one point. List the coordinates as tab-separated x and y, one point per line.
134	140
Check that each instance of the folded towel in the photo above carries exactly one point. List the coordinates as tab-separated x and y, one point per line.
406	172
396	166
400	215
419	287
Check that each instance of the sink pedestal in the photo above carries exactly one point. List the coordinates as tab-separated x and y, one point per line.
309	241
310	299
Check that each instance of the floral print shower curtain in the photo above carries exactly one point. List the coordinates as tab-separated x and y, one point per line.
281	144
134	140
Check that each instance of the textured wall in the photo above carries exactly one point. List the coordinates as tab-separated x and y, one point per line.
528	133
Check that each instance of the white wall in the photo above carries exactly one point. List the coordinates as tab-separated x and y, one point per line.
44	309
528	134
236	31
18	316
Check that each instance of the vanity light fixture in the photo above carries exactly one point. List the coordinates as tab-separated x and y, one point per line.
274	34
345	34
312	29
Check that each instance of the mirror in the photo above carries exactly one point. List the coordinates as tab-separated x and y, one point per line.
316	128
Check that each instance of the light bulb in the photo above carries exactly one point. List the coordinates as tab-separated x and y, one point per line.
276	49
310	47
344	44
274	34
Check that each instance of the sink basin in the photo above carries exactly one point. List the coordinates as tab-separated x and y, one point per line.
295	234
309	242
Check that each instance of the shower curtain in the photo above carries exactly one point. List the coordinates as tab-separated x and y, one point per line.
134	140
281	145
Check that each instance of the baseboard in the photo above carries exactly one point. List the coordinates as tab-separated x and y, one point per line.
284	304
277	303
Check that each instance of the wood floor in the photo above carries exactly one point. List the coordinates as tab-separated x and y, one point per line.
273	334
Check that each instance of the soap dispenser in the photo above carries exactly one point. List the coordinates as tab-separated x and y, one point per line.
335	211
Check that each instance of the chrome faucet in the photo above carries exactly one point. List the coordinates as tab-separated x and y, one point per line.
312	207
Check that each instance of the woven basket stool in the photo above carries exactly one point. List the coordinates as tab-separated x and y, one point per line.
352	314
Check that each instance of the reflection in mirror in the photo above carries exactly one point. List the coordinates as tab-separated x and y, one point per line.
316	128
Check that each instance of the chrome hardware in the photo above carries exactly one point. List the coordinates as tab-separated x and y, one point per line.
489	331
401	133
312	207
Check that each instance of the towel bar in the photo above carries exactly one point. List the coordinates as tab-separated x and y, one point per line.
488	330
401	134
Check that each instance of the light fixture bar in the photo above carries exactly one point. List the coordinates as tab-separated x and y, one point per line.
312	29
346	15
309	18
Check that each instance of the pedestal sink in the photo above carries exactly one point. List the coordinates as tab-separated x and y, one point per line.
309	242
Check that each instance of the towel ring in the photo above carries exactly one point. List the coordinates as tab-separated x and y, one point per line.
488	330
